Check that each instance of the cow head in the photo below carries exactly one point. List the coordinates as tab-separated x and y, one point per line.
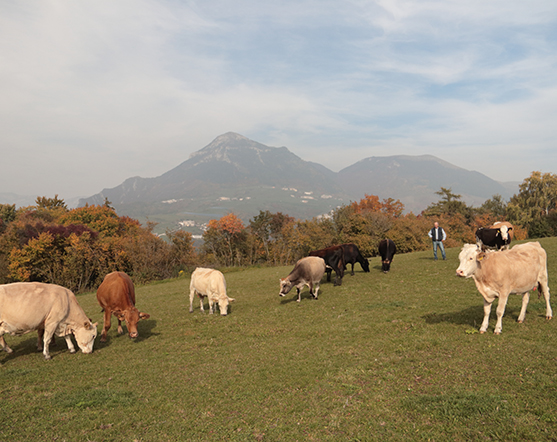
85	336
386	265
365	265
469	257
132	316
223	304
285	286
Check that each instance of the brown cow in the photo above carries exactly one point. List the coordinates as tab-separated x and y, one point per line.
116	295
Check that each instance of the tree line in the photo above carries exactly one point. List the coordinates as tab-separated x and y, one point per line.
75	248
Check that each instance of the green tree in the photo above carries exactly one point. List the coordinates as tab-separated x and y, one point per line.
533	205
449	204
495	206
270	231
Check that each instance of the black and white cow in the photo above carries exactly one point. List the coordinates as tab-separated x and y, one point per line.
497	236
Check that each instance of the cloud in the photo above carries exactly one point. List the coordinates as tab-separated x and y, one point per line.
95	92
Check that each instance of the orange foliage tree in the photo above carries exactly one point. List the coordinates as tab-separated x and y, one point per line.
224	241
77	248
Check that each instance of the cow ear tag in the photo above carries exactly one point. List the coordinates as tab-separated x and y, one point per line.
480	257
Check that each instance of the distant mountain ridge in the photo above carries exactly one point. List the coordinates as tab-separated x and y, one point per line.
236	174
415	179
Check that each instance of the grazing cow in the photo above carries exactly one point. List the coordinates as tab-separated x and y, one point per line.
334	260
49	308
116	295
499	235
209	283
307	271
352	255
387	250
498	274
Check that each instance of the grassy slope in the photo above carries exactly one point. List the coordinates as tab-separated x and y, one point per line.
383	357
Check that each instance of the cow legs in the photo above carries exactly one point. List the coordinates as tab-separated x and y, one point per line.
106	324
525	299
69	343
4	345
500	312
48	333
543	287
192	295
211	303
487	311
315	290
299	294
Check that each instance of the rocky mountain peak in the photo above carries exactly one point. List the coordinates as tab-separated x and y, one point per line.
227	145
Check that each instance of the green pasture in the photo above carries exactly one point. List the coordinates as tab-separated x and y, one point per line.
394	357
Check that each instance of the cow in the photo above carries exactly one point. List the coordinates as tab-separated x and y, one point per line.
48	308
498	236
116	294
352	255
387	250
307	271
334	260
498	274
209	283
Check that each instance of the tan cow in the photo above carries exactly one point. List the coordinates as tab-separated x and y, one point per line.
116	295
27	306
307	271
498	274
209	283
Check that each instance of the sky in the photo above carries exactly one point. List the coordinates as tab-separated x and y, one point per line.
97	91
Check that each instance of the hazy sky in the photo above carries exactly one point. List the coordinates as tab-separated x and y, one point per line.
94	92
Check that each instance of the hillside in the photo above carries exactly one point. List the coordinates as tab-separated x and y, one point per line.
384	357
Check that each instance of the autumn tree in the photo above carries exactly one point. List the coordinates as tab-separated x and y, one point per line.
224	240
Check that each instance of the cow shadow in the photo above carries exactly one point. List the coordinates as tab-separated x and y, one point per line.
305	296
472	316
144	328
26	347
29	347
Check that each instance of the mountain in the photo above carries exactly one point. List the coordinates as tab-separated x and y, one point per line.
236	174
232	173
415	179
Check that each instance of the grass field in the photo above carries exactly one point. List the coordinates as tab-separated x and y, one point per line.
394	357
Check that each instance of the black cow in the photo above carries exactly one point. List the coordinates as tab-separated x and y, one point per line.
352	255
387	250
498	235
334	260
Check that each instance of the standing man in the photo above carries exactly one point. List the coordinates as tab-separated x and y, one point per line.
438	235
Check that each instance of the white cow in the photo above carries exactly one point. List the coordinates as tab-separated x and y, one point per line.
209	283
498	274
27	306
307	271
